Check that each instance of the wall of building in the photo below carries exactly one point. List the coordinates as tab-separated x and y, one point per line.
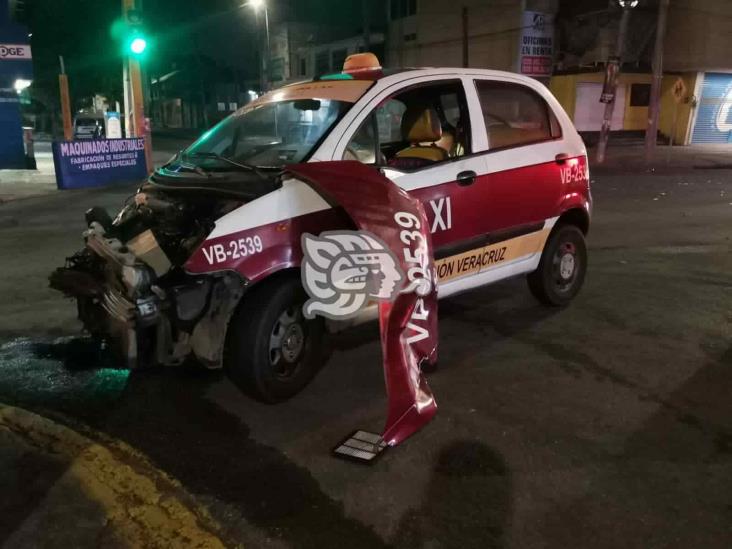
698	35
564	89
684	111
433	36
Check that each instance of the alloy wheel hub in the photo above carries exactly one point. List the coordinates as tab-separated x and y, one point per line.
566	266
293	342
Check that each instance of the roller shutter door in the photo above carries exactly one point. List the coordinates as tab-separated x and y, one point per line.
714	115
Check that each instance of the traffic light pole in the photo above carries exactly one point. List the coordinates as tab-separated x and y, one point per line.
134	98
63	82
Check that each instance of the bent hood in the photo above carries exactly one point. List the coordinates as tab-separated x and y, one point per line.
408	325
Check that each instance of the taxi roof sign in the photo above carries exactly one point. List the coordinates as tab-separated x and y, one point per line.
361	62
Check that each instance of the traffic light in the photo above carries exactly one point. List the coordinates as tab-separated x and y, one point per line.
137	45
129	32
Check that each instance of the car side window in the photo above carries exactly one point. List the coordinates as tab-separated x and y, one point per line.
364	146
515	115
415	128
389	116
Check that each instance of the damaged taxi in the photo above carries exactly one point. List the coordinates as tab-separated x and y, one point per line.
204	261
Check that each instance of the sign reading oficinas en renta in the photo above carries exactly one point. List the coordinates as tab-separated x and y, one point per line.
536	50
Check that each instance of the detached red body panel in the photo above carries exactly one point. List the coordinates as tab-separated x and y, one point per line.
408	326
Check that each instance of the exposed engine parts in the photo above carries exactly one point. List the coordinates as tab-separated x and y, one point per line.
131	290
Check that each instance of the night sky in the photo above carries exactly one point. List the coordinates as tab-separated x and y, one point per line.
220	30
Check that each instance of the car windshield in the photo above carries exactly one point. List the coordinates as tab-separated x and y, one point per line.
272	134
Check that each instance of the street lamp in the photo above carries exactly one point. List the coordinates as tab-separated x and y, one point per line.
262	5
21	84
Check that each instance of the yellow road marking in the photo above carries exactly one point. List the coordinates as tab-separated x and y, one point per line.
143	506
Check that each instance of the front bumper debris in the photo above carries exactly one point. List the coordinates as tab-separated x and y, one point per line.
408	325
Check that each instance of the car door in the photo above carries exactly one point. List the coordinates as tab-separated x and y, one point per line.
524	158
446	187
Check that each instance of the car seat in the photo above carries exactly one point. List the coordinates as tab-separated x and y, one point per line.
420	125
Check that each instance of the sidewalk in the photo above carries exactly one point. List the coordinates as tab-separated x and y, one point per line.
16	184
61	489
630	158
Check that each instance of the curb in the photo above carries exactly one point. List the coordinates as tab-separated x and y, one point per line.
142	506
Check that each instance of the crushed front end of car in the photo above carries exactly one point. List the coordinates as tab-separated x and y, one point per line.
130	286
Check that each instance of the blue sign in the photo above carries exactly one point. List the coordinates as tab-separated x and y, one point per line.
99	162
16	69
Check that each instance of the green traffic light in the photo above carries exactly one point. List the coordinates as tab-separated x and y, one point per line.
138	46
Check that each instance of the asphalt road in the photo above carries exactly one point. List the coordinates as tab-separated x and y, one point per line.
606	424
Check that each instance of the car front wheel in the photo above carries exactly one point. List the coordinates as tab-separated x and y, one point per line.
562	267
273	351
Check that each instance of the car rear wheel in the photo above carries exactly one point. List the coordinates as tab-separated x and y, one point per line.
273	351
562	268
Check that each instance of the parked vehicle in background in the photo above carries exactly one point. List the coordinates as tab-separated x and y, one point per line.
89	125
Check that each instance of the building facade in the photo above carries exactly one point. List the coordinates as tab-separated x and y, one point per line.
473	33
696	94
318	59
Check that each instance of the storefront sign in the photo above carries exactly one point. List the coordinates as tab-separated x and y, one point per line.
99	162
536	51
14	51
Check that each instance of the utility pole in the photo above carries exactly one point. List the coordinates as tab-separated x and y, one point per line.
63	83
366	11
626	5
466	45
654	108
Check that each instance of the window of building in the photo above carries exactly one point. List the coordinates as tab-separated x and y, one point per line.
338	58
514	115
410	37
640	95
402	8
303	66
322	63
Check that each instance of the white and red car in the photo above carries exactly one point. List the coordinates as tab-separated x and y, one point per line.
205	261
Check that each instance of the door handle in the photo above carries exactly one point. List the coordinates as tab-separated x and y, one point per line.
561	158
466	178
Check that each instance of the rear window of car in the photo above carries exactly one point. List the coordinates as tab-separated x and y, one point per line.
515	115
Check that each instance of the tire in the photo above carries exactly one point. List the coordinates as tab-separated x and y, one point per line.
562	267
272	351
